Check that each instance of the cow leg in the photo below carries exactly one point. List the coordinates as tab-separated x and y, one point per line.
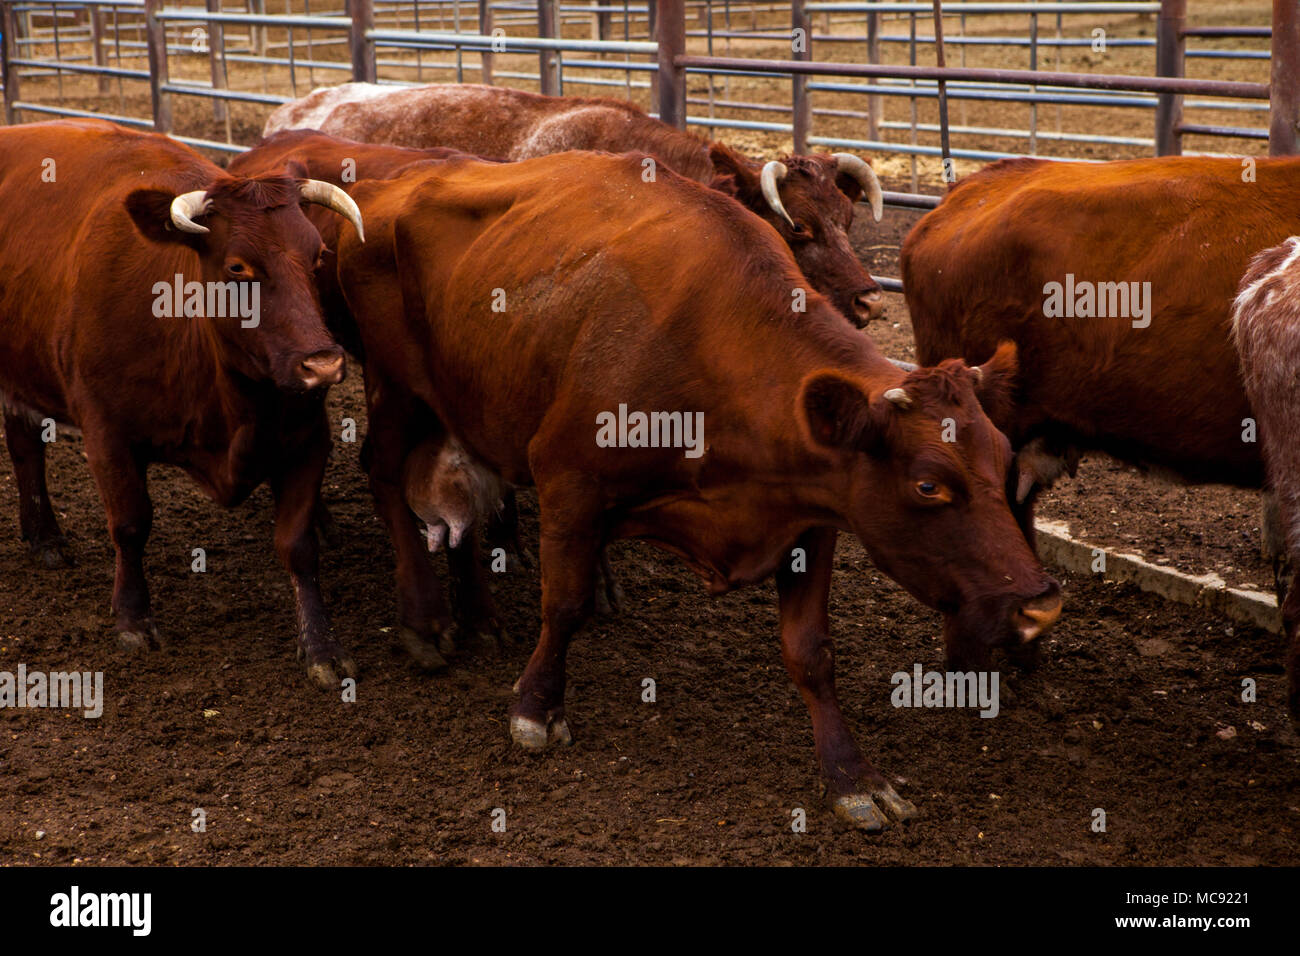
858	791
475	609
327	529
570	548
120	476
423	616
1273	544
503	533
1291	625
295	486
40	528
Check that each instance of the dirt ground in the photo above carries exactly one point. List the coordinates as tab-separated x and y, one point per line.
1136	708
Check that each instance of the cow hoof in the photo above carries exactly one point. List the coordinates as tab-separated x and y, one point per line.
534	735
873	812
860	811
528	733
424	653
52	555
141	640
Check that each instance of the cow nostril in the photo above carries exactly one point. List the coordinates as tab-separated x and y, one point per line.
323	368
1037	615
870	304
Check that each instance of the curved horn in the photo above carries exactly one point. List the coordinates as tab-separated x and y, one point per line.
331	197
188	205
773	173
979	375
899	397
905	366
861	170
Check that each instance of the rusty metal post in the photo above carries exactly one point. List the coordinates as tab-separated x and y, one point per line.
671	36
217	61
97	40
1284	82
363	51
485	28
945	148
801	46
156	40
875	102
1170	47
546	58
8	49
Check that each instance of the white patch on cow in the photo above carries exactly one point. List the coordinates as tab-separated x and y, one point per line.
1266	330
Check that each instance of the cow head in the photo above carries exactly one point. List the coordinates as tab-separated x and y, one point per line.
256	253
809	201
928	476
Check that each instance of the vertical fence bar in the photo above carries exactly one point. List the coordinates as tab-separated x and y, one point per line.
363	51
1284	81
217	61
801	41
949	172
8	50
1170	47
875	101
671	35
546	58
156	40
485	28
97	40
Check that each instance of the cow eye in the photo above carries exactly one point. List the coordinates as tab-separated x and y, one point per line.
801	229
238	269
929	489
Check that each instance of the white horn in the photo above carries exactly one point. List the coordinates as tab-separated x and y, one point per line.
899	397
188	205
773	173
331	197
861	170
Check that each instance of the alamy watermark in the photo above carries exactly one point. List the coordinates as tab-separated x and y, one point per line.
59	690
946	689
626	429
1087	300
213	300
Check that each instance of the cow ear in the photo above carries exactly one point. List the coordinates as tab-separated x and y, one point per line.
995	384
835	413
849	186
733	174
151	211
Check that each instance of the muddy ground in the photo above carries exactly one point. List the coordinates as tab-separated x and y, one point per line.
1136	708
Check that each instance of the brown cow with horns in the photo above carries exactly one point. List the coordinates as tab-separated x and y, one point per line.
806	427
126	264
807	199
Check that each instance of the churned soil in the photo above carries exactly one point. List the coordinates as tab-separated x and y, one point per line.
1136	710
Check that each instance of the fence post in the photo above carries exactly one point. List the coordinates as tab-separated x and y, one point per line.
875	101
97	39
8	48
485	28
671	34
1170	47
801	47
1284	106
363	51
546	58
217	61
156	40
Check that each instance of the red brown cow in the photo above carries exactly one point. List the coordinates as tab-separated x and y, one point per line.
807	199
1116	281
532	310
1266	326
167	310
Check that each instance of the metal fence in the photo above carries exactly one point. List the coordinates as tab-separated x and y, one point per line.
838	82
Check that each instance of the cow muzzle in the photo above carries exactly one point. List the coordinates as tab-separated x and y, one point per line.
869	306
321	369
1035	617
